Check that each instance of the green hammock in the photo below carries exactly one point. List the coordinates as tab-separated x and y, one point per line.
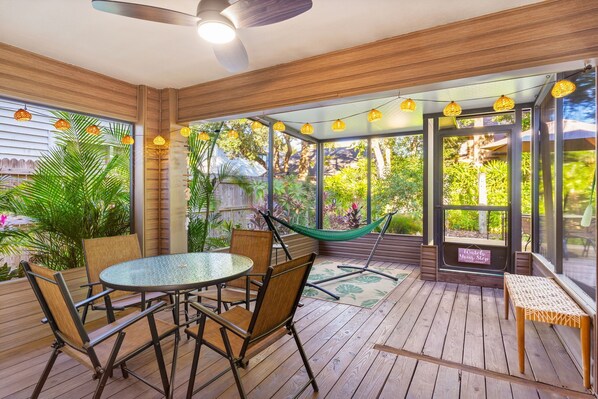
332	235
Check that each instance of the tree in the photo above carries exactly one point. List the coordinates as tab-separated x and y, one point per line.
79	190
250	145
205	180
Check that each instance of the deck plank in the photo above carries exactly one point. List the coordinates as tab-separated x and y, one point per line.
351	378
402	368
448	380
494	351
424	378
473	386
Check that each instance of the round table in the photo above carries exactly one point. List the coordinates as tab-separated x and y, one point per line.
173	274
177	272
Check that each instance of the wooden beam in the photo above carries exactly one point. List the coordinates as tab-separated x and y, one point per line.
34	78
486	373
538	34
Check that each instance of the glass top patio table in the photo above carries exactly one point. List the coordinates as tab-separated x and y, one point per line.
176	272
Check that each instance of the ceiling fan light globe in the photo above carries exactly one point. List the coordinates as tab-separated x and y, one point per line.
216	31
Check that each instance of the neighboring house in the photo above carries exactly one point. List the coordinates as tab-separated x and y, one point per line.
21	143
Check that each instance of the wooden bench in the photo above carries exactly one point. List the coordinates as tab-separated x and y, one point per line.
542	299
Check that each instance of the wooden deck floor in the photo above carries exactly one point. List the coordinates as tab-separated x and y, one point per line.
454	322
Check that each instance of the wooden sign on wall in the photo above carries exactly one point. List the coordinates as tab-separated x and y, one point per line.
473	255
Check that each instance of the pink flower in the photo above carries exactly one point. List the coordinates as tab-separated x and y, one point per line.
3	218
354	206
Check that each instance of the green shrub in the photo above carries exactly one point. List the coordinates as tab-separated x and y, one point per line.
403	224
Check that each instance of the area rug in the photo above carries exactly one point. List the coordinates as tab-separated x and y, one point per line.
364	290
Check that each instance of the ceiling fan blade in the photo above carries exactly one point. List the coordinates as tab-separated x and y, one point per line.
148	13
232	55
248	13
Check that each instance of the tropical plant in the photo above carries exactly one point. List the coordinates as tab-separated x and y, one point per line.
404	224
8	273
80	189
205	180
354	216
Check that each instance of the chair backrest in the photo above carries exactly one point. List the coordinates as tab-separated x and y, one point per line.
104	252
57	304
278	298
256	245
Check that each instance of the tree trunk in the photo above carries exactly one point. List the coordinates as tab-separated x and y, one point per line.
288	154
380	163
304	160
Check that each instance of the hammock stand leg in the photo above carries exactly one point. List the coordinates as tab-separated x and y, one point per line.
279	239
361	269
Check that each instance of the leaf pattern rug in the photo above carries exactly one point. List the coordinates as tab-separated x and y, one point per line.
365	290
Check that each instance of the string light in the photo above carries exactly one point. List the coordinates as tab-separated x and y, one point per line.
562	88
127	140
256	126
93	130
504	103
408	105
62	124
22	115
307	129
374	115
203	136
159	140
233	134
185	131
338	126
452	109
279	126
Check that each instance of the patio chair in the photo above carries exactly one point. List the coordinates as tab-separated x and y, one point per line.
239	334
101	350
256	245
101	253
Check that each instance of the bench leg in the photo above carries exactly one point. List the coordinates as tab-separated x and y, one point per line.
520	319
585	350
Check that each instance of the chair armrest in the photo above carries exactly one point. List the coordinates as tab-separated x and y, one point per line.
255	282
90	284
94	298
220	320
126	324
258	283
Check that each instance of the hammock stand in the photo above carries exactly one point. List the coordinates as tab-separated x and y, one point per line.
332	235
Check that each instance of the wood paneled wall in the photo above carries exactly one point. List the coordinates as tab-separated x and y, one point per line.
153	163
21	315
33	78
429	263
393	248
539	34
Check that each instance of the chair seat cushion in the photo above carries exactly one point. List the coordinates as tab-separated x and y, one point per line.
137	336
228	295
129	300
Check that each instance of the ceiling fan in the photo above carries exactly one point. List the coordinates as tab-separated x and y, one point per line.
217	21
